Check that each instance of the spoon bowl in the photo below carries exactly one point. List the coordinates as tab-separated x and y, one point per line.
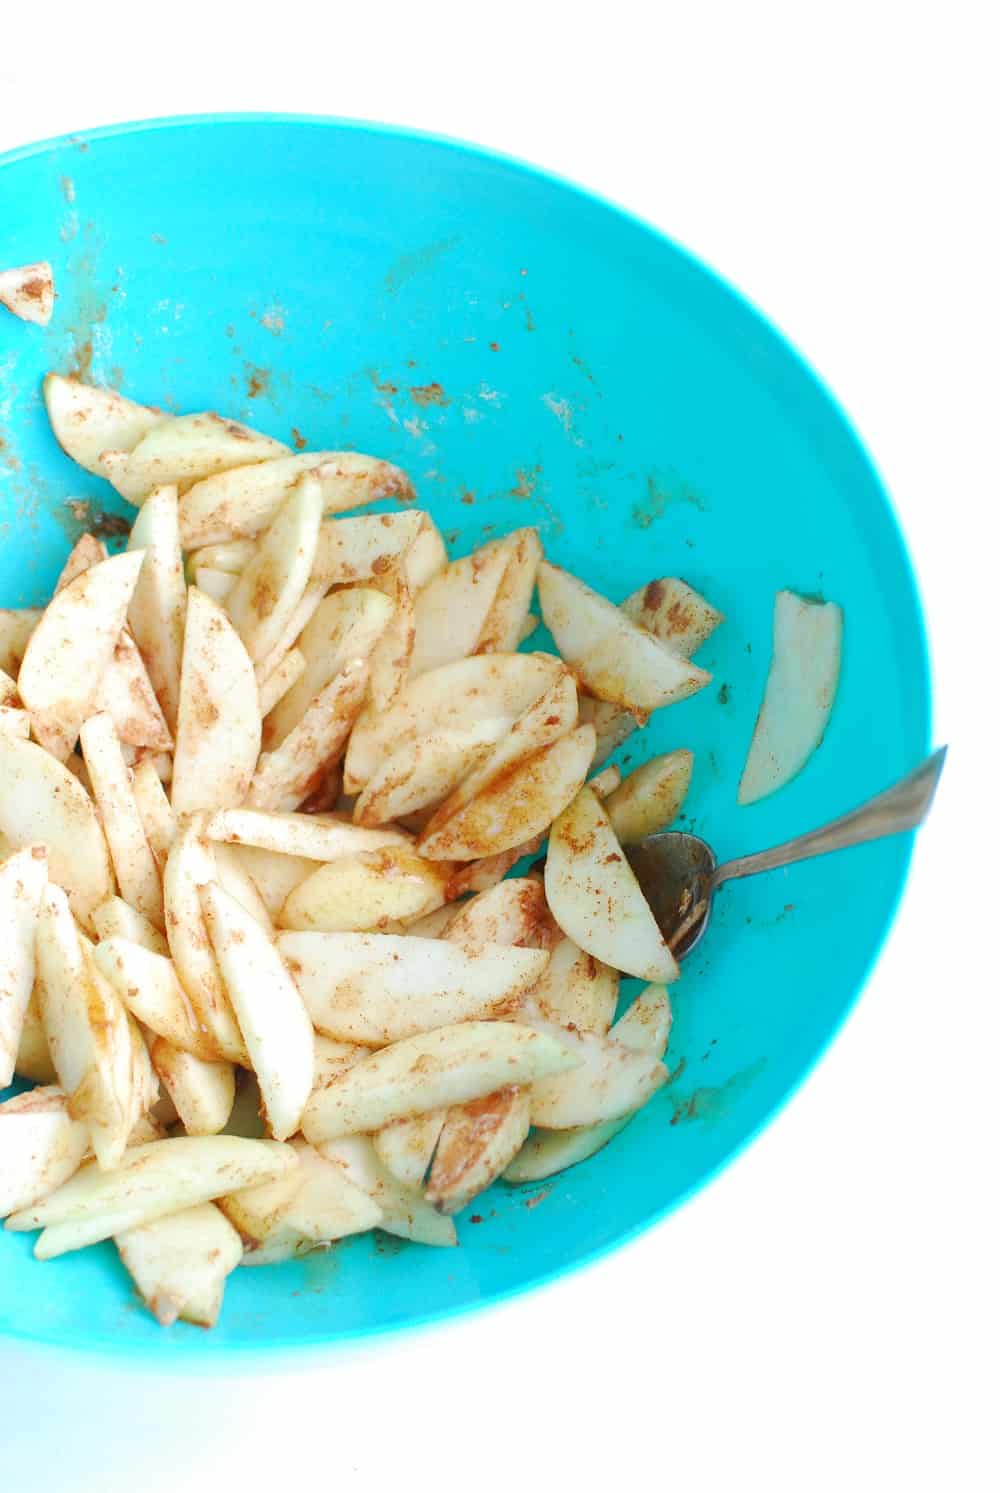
679	874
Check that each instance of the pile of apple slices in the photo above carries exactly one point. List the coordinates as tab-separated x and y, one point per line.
263	776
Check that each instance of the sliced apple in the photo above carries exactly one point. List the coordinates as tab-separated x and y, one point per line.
551	716
367	890
126	693
452	609
612	725
72	648
650	798
273	582
644	1028
133	861
378	988
315	836
799	694
417	777
191	865
576	990
334	1058
270	1011
235	505
180	1263
503	628
280	680
518	804
41	1146
159	822
616	660
605	782
235	879
125	689
513	912
34	1061
406	1147
610	1080
479	876
225	559
479	698
317	1203
352	550
152	1181
15	722
436	1069
23	877
405	1212
273	874
16	628
29	292
344	626
186	449
87	1029
159	602
285	777
427	556
594	896
391	658
547	1152
147	985
116	919
87	420
674	613
42	803
202	1092
215	583
479	1140
87	551
218	719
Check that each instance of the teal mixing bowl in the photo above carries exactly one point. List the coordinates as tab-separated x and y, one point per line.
531	355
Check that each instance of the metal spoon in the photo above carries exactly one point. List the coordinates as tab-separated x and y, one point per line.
679	875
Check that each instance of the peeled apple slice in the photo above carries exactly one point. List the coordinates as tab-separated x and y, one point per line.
218	718
240	503
449	1066
270	1011
72	648
180	1263
382	987
272	584
184	449
159	601
23	876
594	896
650	798
615	660
152	1180
517	805
29	292
42	803
87	420
799	694
41	1146
673	612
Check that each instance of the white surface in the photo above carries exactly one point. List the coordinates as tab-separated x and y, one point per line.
821	1316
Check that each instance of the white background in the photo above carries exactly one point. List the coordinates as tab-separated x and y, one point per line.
824	1315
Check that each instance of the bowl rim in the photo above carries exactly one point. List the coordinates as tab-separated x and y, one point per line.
198	1351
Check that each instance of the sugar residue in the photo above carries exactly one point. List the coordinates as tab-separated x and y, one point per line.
663	492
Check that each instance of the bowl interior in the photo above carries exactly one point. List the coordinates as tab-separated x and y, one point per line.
531	356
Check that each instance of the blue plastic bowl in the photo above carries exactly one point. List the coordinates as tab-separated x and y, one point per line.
531	355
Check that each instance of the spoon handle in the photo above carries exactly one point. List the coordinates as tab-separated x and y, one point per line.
901	807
